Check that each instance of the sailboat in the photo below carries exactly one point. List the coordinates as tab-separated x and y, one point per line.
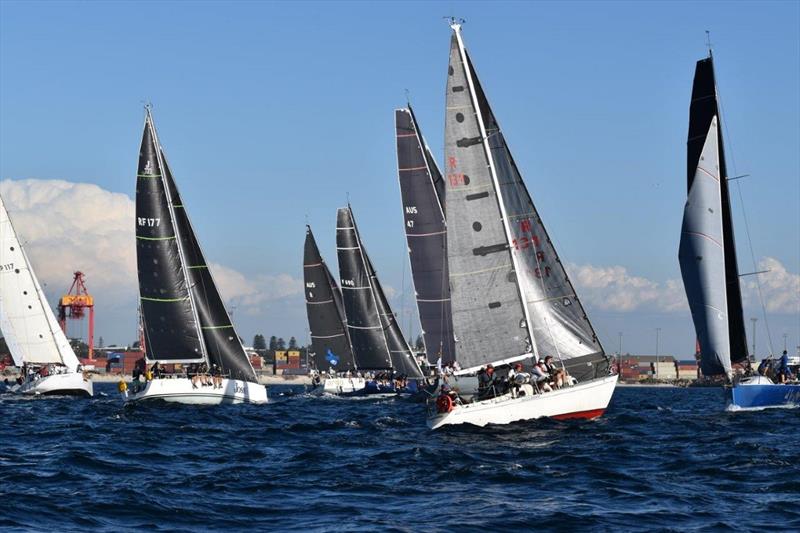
31	331
184	318
511	298
377	341
707	255
330	340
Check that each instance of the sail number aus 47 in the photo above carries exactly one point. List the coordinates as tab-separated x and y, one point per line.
149	222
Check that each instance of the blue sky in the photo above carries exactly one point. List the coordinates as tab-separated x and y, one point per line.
274	112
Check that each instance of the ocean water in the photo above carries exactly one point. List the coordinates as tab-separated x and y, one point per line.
660	460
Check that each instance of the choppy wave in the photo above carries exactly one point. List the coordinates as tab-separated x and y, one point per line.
661	459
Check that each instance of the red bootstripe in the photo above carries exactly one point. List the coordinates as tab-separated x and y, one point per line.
594	413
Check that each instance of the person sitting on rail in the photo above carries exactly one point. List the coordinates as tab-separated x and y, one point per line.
540	377
559	375
216	376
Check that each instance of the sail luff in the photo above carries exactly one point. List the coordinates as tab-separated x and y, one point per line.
493	171
422	195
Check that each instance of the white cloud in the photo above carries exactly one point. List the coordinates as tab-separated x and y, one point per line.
780	288
252	294
614	289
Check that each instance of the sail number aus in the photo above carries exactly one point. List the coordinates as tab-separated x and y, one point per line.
311	285
148	222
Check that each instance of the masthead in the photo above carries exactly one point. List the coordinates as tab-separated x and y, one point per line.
455	22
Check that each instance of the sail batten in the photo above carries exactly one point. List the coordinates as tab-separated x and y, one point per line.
330	341
422	195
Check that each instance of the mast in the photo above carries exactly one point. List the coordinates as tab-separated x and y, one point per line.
422	194
493	171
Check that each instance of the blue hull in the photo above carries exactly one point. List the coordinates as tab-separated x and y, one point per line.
762	396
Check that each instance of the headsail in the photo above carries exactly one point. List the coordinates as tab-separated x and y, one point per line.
709	286
422	191
330	340
184	316
363	320
511	295
27	323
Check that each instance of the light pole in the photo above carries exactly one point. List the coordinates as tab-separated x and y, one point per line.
658	334
754	320
784	342
619	355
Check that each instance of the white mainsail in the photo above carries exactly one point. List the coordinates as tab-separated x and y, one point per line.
26	321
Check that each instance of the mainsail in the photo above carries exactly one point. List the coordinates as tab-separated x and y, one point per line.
27	323
330	341
184	316
707	253
511	295
422	190
376	338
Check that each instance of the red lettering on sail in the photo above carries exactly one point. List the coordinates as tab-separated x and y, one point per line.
538	272
456	179
451	162
525	226
540	255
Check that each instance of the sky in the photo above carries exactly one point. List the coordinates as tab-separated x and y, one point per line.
275	114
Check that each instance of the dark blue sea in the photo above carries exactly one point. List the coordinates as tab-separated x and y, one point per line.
660	460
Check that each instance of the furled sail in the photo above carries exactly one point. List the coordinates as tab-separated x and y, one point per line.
363	319
701	279
184	316
422	191
330	341
510	292
27	323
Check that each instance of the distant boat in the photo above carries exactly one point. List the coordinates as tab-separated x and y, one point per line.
184	318
707	255
377	341
422	190
511	297
37	344
330	340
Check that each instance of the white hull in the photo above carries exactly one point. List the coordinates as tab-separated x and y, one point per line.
180	390
72	384
343	385
585	400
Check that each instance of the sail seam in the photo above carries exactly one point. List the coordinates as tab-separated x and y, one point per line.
155	238
163	300
703	235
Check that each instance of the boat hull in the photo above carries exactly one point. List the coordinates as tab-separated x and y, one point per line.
762	396
180	390
71	384
343	385
585	400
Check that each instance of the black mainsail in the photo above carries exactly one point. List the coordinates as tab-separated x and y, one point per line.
330	340
708	249
378	343
422	190
511	296
186	301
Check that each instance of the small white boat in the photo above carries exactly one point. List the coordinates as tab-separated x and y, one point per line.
31	331
585	400
181	390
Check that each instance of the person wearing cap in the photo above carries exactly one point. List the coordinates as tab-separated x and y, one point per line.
486	382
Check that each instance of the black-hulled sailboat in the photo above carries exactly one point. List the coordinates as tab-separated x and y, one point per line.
707	256
330	341
377	341
184	318
510	295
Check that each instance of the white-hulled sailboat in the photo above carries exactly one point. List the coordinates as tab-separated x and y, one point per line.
510	295
33	336
184	318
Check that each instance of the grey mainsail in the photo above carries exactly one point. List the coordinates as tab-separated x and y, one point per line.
422	192
511	295
707	253
330	341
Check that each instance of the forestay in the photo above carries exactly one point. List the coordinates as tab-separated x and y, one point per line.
422	191
27	323
330	340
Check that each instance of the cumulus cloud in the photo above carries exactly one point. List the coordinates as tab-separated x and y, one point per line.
780	288
68	226
613	288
